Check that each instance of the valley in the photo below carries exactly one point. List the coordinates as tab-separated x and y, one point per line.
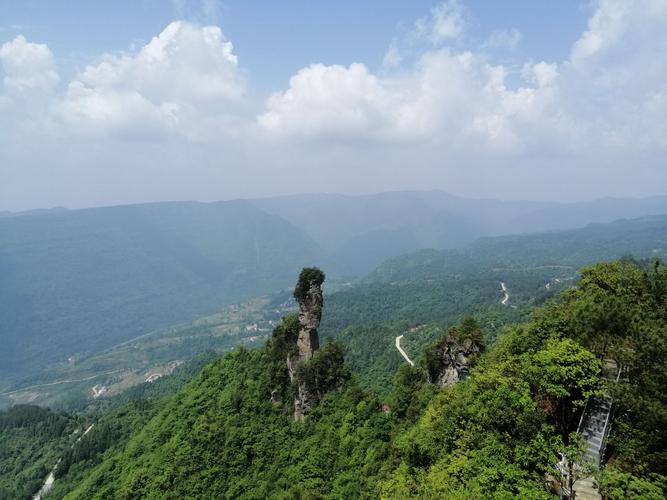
353	251
450	282
386	325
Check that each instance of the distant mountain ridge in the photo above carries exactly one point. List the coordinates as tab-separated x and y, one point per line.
360	232
77	281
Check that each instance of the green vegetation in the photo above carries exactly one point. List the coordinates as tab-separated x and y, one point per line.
248	323
146	281
309	277
32	439
425	293
118	418
77	282
380	428
229	433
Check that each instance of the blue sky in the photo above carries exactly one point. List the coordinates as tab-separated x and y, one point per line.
147	100
275	39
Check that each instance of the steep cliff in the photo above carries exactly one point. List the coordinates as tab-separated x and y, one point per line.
450	359
308	293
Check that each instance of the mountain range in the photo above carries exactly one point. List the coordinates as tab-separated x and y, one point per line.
75	282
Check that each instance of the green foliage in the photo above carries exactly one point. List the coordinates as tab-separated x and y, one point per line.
469	328
309	277
116	419
563	375
223	437
31	441
325	371
411	393
485	436
229	432
107	275
618	485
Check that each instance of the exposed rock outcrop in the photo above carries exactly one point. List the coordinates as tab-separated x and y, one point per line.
308	293
454	360
451	359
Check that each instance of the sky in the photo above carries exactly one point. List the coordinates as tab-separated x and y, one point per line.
105	103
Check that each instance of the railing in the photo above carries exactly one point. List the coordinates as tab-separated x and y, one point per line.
607	423
587	416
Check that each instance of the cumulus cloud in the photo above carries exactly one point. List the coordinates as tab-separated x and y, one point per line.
439	113
29	86
183	73
615	79
330	101
29	68
448	96
599	96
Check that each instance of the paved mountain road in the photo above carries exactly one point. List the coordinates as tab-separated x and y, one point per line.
400	349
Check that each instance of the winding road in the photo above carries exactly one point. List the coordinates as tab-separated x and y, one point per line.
507	295
400	349
9	393
48	483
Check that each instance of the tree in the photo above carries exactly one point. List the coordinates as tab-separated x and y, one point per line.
563	375
310	276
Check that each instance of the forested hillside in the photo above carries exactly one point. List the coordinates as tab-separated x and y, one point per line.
359	232
76	282
35	441
495	434
645	236
422	293
32	439
416	294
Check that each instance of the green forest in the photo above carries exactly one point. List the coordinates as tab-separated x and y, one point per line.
497	433
370	250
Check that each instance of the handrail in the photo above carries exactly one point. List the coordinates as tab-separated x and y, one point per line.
581	419
605	430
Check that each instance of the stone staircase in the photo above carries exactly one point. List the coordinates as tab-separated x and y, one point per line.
586	489
594	427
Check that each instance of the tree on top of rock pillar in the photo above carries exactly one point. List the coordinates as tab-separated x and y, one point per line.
308	293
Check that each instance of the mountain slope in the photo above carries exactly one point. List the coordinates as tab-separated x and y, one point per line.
433	289
496	433
641	237
359	232
75	282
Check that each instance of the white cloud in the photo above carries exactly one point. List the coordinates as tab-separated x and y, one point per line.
444	23
181	76
449	98
503	39
437	114
29	68
332	101
607	94
392	58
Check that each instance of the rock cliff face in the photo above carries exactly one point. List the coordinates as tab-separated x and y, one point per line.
450	360
308	293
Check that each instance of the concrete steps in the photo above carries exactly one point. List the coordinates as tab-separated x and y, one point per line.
586	489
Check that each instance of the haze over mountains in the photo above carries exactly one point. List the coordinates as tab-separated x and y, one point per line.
78	281
359	232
